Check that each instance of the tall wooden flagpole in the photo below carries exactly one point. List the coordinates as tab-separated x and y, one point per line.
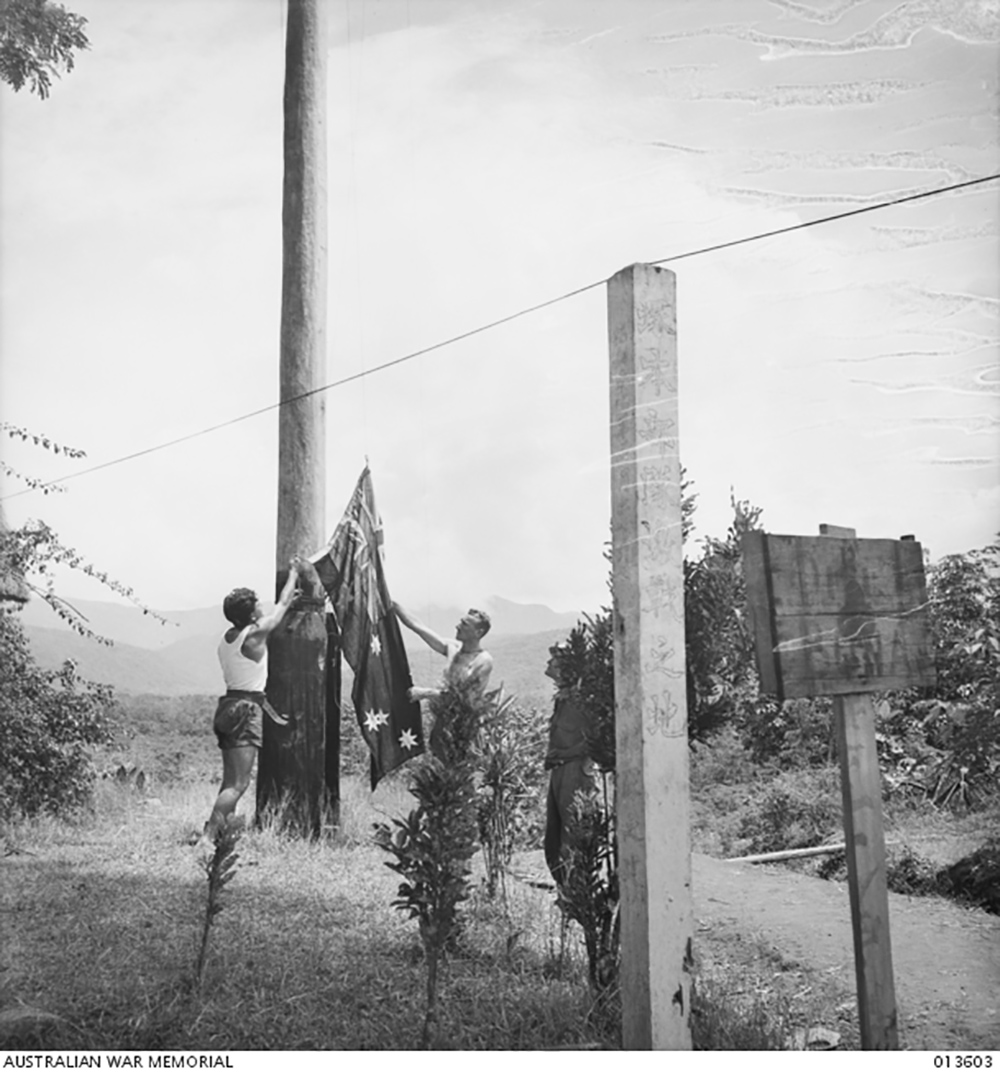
293	761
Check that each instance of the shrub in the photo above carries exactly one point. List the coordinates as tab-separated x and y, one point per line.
796	810
49	723
433	846
721	760
590	893
510	794
976	878
964	592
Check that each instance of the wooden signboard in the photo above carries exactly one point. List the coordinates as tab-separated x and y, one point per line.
837	615
834	615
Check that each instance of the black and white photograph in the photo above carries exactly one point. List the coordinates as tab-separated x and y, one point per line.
499	530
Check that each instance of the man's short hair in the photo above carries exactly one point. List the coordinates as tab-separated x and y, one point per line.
481	621
239	606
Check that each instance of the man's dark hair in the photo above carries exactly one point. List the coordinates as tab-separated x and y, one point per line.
482	621
239	606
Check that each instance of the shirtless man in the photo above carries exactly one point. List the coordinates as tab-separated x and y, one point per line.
468	662
239	716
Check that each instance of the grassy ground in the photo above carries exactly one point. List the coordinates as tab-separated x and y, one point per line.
305	954
106	916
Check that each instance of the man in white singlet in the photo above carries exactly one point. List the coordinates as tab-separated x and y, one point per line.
239	716
468	662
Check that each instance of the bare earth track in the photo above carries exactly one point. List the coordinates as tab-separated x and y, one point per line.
946	957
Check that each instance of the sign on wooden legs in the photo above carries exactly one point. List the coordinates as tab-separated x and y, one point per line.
839	616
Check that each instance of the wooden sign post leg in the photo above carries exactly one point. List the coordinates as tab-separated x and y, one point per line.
861	786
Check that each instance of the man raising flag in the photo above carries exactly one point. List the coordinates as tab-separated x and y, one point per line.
350	569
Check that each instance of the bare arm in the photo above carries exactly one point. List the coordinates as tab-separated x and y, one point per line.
256	639
435	641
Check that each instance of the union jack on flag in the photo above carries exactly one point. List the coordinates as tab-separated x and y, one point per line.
351	571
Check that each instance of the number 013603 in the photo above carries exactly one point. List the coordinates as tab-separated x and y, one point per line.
963	1062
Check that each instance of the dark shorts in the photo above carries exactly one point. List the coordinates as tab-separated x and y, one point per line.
239	721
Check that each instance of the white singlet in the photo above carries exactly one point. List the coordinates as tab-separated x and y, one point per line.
240	672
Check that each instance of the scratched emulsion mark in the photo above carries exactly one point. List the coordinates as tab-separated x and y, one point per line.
982	380
945	303
975	22
965	462
931	352
968	424
780	199
940	343
909	237
769	160
826	16
805	94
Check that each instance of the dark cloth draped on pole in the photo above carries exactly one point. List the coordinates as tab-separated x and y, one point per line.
351	571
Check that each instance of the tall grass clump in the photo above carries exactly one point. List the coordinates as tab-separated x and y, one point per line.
220	868
723	1021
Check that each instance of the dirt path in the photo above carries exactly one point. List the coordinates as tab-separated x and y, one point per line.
946	958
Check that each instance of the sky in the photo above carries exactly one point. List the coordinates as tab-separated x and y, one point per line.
485	156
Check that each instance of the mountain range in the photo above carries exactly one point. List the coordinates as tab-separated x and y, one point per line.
178	658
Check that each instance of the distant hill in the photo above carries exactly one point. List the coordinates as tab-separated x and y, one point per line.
506	616
127	668
188	664
128	624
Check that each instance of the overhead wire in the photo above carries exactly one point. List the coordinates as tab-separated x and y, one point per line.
729	244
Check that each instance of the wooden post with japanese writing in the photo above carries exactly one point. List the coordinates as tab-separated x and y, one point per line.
843	617
294	767
651	785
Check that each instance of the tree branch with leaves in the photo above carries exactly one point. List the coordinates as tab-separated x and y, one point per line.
38	40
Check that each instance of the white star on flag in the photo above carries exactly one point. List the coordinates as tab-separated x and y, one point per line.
407	740
374	720
376	645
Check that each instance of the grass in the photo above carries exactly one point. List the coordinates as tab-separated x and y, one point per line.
106	915
306	953
750	997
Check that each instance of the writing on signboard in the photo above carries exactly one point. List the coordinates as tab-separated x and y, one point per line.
837	615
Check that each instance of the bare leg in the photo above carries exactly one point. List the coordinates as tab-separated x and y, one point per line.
237	766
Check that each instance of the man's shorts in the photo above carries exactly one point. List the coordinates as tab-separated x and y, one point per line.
239	721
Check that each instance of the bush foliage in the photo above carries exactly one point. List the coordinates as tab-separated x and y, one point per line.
432	847
50	721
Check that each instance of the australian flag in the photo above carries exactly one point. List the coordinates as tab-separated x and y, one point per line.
351	571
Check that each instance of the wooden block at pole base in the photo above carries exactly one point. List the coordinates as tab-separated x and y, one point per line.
861	787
